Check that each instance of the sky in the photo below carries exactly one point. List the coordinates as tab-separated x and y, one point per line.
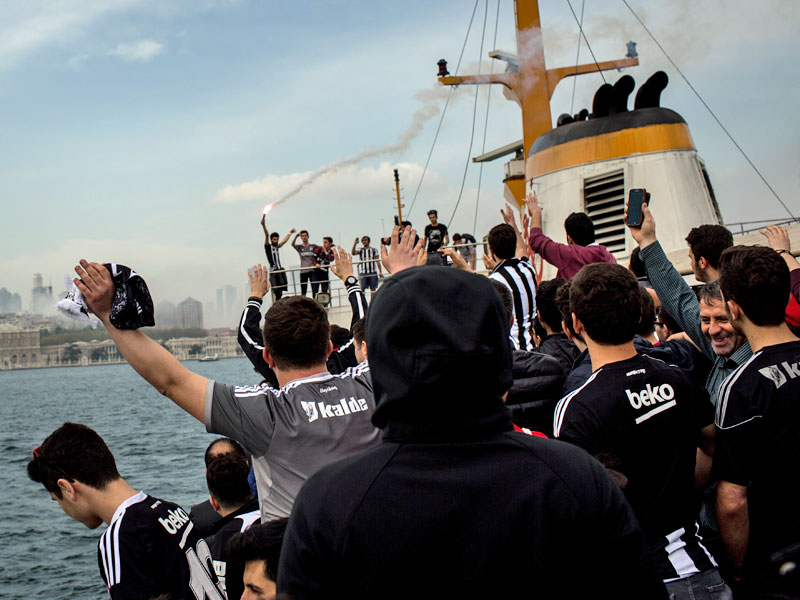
152	134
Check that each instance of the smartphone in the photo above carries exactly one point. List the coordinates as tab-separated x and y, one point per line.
636	197
436	258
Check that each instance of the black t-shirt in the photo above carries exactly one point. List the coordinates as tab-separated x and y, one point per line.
230	573
434	234
642	417
758	445
150	548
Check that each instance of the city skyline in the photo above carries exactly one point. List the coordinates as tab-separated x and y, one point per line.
153	134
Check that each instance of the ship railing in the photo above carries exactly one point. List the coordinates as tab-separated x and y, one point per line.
336	289
745	227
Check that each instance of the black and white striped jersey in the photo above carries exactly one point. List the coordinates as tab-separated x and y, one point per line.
273	253
368	266
150	549
519	275
642	418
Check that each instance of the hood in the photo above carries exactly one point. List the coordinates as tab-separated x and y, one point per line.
439	355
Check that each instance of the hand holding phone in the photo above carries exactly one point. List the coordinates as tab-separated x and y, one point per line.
636	197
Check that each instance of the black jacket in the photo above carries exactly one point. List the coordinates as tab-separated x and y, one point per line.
536	388
453	503
560	347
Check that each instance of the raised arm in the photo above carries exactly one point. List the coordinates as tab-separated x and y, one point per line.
675	294
264	227
286	237
148	358
343	269
522	247
778	240
249	332
294	239
355	243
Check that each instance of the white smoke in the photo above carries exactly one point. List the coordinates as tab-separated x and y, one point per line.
431	100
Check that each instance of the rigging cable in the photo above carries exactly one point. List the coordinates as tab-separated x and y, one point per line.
708	108
583	33
577	59
474	114
444	110
485	123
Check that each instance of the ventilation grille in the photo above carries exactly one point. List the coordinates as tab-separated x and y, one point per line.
604	198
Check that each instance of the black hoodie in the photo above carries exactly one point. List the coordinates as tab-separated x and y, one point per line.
453	503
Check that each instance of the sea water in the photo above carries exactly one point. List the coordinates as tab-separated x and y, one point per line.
158	447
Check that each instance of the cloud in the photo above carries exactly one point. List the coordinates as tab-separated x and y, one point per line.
25	27
141	51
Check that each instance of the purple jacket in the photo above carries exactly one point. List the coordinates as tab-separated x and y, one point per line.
567	258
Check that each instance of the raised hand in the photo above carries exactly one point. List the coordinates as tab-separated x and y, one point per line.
777	237
343	265
646	234
456	258
95	283
402	253
259	281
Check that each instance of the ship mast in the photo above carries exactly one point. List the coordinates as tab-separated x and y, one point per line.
532	84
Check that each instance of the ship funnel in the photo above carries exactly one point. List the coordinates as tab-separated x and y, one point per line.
602	98
649	94
619	95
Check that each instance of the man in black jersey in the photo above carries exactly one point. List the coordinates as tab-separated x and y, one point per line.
643	419
277	276
758	427
150	547
226	478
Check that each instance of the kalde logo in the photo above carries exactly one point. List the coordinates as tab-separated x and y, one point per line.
327	411
650	395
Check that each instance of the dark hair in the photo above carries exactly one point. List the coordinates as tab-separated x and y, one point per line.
647	320
302	231
329	238
366	237
433	212
233	447
709	241
274	234
668	321
404	224
637	264
605	297
297	333
537	328
359	331
260	542
456	237
503	241
562	302
710	292
546	303
580	228
73	452
226	478
758	280
506	297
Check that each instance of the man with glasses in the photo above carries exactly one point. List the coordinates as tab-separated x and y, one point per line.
150	547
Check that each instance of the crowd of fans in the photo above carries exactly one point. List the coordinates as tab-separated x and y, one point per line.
611	432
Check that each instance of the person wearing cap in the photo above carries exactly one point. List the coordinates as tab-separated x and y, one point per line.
453	503
436	235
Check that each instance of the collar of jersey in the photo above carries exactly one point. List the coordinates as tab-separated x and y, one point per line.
310	378
129	502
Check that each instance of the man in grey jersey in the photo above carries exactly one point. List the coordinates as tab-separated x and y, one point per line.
314	417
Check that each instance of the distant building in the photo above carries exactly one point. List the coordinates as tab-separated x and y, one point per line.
220	312
166	315
10	302
41	296
232	305
190	314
